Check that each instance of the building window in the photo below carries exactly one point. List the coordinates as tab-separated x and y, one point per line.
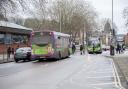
1	38
8	39
15	39
19	39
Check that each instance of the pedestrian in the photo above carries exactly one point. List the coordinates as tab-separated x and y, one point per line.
81	49
123	47
118	48
73	48
12	51
8	52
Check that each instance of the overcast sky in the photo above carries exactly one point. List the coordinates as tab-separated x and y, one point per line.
104	8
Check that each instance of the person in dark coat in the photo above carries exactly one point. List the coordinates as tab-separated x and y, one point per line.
81	49
12	51
118	48
73	48
8	52
123	47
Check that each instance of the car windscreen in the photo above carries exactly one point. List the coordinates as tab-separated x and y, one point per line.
23	49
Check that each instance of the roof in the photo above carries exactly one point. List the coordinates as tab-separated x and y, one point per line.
12	25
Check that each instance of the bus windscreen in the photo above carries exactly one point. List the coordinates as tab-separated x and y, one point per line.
41	39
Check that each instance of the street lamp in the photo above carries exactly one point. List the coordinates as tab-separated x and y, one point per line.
112	14
60	14
60	20
112	52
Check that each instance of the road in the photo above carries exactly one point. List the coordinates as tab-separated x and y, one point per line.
77	72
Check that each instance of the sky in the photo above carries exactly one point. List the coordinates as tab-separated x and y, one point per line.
104	9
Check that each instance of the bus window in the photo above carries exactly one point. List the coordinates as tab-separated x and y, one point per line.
44	39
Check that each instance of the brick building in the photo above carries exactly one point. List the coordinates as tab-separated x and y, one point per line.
126	39
12	35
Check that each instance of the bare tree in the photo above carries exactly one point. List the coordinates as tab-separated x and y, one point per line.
9	9
5	6
74	16
125	15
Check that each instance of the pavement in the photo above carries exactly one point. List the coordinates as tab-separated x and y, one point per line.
121	62
3	58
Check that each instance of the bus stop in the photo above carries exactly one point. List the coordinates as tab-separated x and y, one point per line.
12	36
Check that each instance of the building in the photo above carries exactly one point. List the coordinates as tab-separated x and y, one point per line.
106	33
12	35
106	37
126	39
120	39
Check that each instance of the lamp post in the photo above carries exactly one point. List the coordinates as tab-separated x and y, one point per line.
60	14
60	20
112	14
112	52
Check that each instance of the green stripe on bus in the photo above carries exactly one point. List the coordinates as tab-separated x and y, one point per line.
39	50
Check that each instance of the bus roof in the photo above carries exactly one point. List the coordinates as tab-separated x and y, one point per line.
55	33
60	34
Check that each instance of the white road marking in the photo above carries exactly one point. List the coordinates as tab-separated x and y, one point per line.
109	83
101	72
101	77
97	88
116	75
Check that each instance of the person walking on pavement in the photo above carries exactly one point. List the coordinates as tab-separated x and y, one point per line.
12	51
118	48
73	48
122	47
9	52
81	49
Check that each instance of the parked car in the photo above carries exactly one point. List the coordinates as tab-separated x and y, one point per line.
105	47
23	53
